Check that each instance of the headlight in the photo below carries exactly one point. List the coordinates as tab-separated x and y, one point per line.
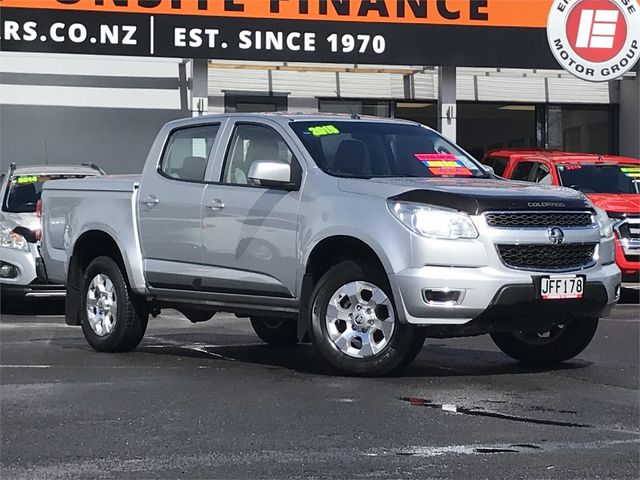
434	222
11	239
605	225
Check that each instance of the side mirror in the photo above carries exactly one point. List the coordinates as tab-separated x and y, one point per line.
489	169
271	174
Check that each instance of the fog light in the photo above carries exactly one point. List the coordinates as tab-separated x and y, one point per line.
443	296
618	292
8	271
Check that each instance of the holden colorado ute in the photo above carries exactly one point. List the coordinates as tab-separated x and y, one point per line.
359	235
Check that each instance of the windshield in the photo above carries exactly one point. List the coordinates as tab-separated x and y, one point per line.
362	149
23	192
604	178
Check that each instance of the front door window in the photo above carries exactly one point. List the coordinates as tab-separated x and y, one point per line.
251	142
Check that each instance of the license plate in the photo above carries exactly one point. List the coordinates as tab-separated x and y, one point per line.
558	287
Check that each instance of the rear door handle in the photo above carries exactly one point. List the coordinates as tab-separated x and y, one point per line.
216	204
151	201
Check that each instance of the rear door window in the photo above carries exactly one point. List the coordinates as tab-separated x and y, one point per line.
185	156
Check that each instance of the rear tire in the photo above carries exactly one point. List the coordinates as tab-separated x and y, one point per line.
112	319
276	331
535	348
366	341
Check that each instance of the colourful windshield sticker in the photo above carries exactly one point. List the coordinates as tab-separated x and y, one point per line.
26	179
633	172
441	163
435	156
453	171
322	130
444	164
570	166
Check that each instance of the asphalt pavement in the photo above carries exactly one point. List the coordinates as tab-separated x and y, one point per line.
210	400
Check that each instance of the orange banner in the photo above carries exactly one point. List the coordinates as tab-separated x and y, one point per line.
492	13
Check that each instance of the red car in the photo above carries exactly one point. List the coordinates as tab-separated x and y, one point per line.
611	183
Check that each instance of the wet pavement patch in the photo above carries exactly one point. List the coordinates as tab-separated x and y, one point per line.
479	412
436	451
426	451
495	450
526	445
535	408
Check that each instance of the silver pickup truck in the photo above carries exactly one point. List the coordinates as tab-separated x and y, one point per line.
360	235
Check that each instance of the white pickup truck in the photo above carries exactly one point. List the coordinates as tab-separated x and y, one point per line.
360	235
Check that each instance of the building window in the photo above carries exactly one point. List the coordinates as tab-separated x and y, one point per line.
580	129
490	126
377	108
425	113
254	102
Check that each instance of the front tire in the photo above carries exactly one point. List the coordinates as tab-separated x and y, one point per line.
354	325
112	319
549	347
276	331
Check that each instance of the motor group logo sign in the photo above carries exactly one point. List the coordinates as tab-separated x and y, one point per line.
596	40
595	32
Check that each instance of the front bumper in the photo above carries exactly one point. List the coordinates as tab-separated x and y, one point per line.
29	278
496	293
477	271
33	290
630	268
627	245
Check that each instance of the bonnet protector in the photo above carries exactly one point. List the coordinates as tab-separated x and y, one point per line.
478	203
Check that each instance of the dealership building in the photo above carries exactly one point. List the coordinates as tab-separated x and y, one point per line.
487	87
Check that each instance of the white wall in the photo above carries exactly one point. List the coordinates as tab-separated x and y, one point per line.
25	76
76	108
473	84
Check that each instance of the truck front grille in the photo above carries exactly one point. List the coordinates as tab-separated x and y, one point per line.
628	231
539	219
547	257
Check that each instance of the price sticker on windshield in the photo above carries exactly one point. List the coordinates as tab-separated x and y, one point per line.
444	164
26	179
570	166
451	172
633	172
322	130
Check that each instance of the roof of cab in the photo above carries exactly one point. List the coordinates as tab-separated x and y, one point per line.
57	170
559	156
288	117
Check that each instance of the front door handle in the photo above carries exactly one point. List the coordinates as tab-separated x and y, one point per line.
151	201
216	204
